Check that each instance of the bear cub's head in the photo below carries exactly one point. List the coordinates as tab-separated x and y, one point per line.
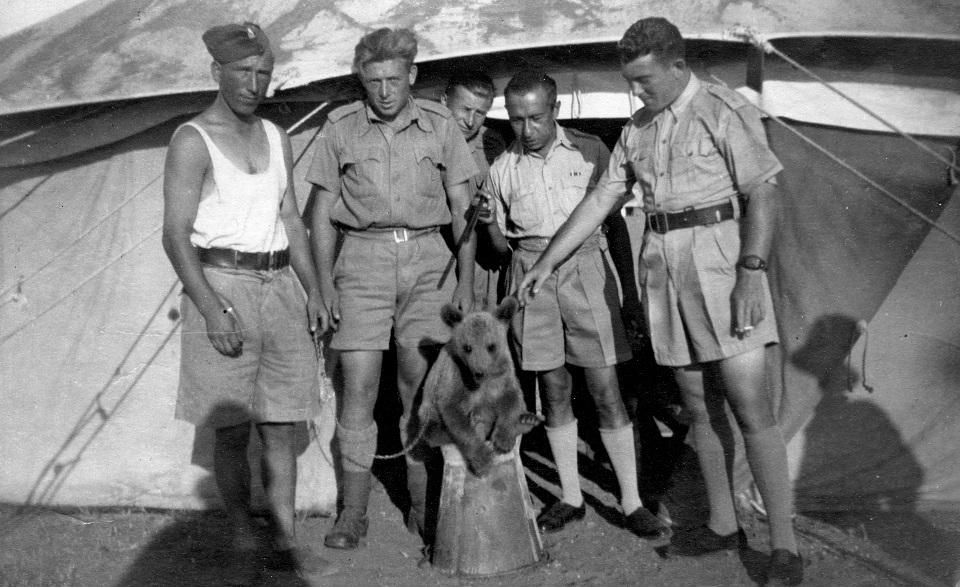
478	342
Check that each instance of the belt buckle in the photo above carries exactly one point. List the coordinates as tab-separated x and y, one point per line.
661	227
401	235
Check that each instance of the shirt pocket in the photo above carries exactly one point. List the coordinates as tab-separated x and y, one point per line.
574	186
429	166
696	164
361	170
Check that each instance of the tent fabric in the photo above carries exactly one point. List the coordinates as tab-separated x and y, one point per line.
879	430
123	49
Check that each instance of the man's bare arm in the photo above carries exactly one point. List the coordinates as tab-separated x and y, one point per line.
459	197
756	237
186	165
300	256
323	241
585	219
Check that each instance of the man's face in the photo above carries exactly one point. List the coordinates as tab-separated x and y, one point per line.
656	83
533	119
243	83
387	84
469	110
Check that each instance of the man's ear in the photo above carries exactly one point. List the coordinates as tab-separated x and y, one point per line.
413	74
215	70
443	98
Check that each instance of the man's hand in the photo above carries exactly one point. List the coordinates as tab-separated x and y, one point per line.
330	300
746	302
531	283
463	296
225	330
318	319
487	214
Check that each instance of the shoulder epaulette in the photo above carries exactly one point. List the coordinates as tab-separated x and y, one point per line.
345	110
434	107
731	98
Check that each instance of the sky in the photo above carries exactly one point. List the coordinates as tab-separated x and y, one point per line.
19	14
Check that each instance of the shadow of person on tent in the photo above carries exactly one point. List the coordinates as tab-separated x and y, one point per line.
857	472
195	548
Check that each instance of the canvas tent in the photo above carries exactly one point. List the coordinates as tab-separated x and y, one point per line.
866	290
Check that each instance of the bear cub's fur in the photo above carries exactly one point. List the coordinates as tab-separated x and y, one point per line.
471	396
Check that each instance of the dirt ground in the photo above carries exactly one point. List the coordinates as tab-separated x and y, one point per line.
138	548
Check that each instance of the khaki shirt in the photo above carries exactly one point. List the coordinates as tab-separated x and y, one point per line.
534	195
706	147
390	175
485	146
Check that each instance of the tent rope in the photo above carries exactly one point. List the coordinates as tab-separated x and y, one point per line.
90	278
754	38
854	171
63	251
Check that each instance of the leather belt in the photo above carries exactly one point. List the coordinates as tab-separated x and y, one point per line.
397	235
664	222
233	259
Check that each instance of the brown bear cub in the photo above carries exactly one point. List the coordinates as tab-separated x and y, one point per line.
471	396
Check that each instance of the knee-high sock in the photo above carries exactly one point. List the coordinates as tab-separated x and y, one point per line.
713	466
623	457
767	456
357	447
563	444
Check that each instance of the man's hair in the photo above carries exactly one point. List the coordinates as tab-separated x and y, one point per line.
530	80
473	81
383	45
652	35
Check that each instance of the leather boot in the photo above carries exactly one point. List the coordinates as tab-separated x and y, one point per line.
352	522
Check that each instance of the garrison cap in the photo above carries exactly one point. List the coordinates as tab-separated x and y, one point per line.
232	42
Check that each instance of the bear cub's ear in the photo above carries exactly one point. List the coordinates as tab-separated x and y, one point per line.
507	308
451	315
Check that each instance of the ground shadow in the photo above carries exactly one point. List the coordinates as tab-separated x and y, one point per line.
196	548
838	483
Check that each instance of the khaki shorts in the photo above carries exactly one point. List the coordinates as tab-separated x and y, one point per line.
274	379
575	318
686	277
386	285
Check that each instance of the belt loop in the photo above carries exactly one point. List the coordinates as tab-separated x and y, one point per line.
401	235
236	258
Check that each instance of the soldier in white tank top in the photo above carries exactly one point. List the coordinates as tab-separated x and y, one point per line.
233	233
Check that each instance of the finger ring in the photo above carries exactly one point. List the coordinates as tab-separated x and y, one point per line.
746	329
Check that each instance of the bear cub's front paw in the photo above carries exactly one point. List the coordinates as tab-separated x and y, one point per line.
527	421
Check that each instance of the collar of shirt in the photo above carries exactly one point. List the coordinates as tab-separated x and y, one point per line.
411	113
685	97
562	139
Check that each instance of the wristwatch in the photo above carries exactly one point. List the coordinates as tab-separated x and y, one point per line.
752	262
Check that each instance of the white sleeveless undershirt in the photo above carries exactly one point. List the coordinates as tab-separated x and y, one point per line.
240	210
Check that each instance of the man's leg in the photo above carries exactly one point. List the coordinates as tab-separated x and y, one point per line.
561	429
412	366
706	405
616	432
232	472
357	441
279	476
744	377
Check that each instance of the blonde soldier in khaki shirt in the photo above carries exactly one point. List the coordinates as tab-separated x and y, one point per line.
388	172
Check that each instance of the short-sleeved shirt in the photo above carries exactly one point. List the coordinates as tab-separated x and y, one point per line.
533	195
391	174
485	146
707	146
